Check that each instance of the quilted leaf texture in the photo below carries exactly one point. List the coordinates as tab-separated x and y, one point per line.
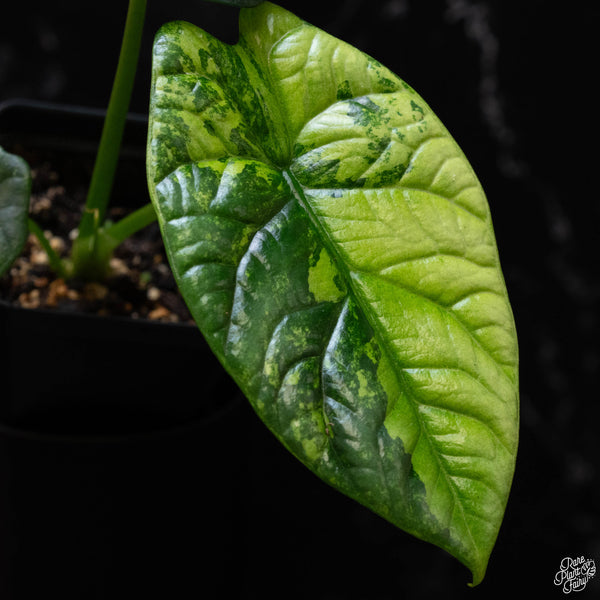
336	250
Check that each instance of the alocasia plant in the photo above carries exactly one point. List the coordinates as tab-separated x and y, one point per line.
96	238
336	250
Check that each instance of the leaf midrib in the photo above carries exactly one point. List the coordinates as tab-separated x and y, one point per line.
298	192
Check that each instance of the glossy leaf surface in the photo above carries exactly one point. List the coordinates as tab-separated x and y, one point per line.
15	187
337	252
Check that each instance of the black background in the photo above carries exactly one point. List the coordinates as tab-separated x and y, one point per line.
514	84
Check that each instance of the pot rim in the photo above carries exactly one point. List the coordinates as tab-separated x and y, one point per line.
96	318
62	108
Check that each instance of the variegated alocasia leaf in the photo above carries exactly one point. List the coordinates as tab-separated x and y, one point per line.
15	187
337	252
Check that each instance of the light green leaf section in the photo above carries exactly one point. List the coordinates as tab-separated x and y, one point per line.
15	188
336	250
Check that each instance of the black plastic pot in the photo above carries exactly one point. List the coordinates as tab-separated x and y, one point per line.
109	428
79	374
135	516
72	373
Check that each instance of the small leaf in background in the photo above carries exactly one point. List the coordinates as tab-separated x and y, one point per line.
337	252
15	187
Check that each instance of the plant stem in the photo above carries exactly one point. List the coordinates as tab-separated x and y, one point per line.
112	133
107	238
113	235
55	261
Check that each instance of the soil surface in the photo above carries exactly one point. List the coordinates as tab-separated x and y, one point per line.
140	285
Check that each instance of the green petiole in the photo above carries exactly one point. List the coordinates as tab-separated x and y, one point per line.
86	261
57	264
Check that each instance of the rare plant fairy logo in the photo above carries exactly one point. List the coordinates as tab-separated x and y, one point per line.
574	573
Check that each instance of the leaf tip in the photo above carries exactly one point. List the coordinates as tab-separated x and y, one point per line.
478	573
